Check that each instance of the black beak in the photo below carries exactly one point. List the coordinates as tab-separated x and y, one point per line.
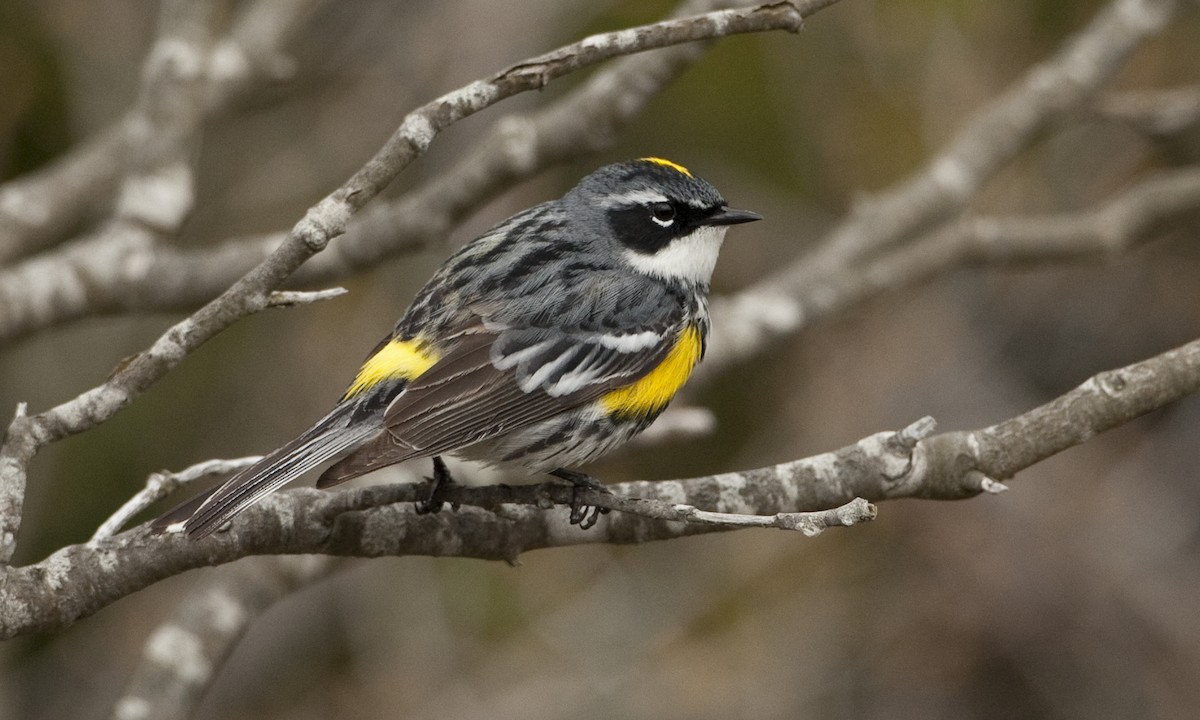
729	216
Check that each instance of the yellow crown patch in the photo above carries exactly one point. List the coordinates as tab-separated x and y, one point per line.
667	164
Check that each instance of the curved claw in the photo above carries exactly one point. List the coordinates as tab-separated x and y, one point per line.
440	483
583	515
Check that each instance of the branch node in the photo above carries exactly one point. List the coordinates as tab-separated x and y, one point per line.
793	11
1111	383
543	500
908	437
902	446
323	222
856	511
978	481
683	511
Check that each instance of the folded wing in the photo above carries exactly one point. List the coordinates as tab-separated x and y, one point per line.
496	380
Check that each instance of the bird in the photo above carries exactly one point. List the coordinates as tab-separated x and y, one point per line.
547	341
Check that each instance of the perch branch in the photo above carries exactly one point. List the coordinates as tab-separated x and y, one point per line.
500	523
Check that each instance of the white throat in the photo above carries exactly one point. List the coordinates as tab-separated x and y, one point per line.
691	257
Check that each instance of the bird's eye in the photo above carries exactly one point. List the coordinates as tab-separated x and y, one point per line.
663	213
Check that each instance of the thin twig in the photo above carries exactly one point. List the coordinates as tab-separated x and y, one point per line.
162	484
809	523
291	298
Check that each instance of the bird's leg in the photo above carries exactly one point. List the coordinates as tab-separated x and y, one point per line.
439	484
581	483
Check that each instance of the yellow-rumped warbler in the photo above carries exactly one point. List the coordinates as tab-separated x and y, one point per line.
552	338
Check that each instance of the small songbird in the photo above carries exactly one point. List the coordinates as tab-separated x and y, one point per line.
549	340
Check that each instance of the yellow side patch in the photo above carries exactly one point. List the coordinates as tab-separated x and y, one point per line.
651	394
399	359
668	164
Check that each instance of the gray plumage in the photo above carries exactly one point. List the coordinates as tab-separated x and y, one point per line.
532	323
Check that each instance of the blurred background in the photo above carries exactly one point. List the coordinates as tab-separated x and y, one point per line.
1076	594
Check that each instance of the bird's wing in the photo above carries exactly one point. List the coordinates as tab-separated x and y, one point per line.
498	378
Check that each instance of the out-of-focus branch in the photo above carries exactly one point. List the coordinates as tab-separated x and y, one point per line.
182	656
823	279
87	278
38	208
377	521
328	219
1153	112
41	206
990	139
155	194
742	323
252	54
206	626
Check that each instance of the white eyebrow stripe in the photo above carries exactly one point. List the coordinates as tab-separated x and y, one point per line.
634	197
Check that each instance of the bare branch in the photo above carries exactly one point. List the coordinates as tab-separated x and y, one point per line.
1153	112
182	655
747	321
36	209
162	484
155	194
1133	217
377	521
291	298
991	138
809	523
39	207
252	53
961	463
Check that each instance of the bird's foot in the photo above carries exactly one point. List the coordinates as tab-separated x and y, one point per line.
439	484
584	516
